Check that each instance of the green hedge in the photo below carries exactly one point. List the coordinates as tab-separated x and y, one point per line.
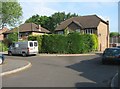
93	42
54	43
82	43
72	43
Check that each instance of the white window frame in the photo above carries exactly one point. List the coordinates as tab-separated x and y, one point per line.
88	31
60	32
77	30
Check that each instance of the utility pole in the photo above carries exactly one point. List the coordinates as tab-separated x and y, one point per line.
2	40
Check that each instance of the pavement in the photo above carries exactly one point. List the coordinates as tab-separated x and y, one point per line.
86	54
13	66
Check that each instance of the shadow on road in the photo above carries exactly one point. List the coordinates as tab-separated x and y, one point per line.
94	71
89	86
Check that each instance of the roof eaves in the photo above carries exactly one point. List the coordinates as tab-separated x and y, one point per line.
102	20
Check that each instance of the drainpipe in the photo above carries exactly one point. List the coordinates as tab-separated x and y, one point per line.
99	38
31	28
108	35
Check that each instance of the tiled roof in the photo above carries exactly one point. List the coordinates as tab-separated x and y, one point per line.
3	30
90	21
30	27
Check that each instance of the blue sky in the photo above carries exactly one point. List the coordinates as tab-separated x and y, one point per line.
105	10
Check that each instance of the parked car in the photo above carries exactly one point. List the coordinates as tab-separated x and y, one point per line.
111	55
2	58
23	48
118	46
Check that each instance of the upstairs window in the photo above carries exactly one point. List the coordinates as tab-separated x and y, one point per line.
89	31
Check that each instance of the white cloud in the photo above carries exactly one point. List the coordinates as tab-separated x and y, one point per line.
33	8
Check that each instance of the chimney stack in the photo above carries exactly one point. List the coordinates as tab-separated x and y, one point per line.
39	27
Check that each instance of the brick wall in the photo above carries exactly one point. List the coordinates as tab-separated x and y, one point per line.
103	37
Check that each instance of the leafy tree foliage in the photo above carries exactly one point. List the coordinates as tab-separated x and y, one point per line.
13	37
50	22
114	34
10	13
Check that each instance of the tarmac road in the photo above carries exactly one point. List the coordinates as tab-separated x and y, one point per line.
55	71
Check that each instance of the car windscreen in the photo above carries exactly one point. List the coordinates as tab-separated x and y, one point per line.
112	52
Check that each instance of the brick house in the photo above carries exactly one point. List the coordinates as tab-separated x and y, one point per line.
2	31
91	24
27	29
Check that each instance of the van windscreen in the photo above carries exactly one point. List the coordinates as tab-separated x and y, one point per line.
35	44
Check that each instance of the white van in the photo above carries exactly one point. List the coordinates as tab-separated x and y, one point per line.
24	48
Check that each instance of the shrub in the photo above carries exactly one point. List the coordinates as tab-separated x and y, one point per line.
13	37
3	47
7	42
94	42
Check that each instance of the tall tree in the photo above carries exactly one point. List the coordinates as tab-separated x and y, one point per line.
10	13
114	34
50	22
61	16
40	20
33	19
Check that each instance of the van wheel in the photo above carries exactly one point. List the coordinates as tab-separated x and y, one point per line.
10	53
24	54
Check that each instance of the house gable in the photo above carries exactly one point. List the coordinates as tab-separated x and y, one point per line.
74	26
